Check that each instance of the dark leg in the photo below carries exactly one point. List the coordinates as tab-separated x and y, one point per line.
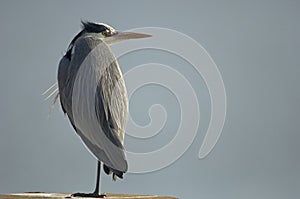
96	193
97	189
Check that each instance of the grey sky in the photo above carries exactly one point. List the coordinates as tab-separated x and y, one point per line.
256	47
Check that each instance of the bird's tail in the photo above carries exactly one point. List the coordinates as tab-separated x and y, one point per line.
115	173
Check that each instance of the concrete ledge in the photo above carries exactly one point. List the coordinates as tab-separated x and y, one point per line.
38	195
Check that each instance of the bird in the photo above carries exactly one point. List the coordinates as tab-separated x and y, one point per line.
93	95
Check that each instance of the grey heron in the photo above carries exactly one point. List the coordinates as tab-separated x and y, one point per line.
109	95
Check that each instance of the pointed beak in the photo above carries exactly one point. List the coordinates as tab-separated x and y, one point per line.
131	35
122	36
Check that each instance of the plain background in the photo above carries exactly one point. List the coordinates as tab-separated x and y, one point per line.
256	46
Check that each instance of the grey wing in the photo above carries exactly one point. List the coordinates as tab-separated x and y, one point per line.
95	100
62	80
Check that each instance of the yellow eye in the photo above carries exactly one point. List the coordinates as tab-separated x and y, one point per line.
104	33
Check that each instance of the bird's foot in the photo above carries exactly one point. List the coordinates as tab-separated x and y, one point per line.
88	195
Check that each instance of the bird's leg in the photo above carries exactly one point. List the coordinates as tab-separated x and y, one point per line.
97	189
96	193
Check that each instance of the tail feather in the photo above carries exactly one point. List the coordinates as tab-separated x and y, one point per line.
107	170
115	173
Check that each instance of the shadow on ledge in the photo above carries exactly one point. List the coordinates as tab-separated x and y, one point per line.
41	195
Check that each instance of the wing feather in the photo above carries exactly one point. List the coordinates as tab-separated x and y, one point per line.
93	95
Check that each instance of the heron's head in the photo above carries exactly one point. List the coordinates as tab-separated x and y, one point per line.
108	34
